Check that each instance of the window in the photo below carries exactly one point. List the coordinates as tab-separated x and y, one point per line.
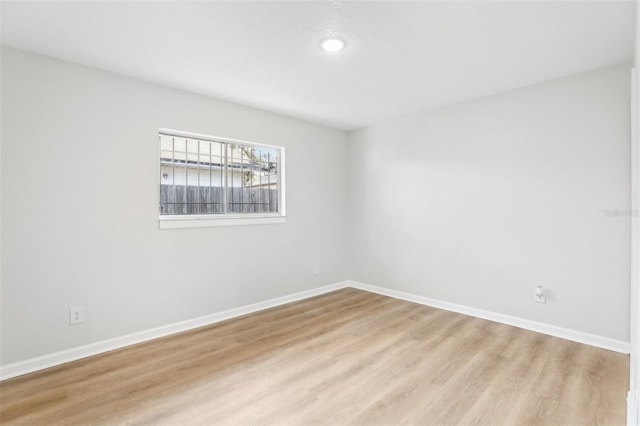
209	181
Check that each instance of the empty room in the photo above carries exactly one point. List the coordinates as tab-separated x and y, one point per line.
319	213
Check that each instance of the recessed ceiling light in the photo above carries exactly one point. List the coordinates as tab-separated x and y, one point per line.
333	44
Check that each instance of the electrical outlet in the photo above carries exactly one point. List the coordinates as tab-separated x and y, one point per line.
538	295
76	315
316	269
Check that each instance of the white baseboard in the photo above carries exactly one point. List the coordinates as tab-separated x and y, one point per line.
632	408
57	358
552	330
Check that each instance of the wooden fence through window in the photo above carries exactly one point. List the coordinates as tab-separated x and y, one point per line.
208	200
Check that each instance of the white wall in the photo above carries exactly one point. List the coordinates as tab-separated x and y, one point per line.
473	204
68	240
478	203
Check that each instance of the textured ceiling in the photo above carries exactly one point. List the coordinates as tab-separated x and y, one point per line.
401	57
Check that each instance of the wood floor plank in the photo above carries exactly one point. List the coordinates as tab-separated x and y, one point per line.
347	357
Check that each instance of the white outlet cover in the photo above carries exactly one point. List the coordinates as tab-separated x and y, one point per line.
539	295
76	315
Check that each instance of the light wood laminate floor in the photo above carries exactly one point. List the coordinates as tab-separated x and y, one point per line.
348	357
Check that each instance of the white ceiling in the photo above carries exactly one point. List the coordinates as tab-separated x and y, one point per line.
401	56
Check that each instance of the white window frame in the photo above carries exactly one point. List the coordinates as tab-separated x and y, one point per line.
223	219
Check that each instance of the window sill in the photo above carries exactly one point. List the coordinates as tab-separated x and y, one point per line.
180	222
